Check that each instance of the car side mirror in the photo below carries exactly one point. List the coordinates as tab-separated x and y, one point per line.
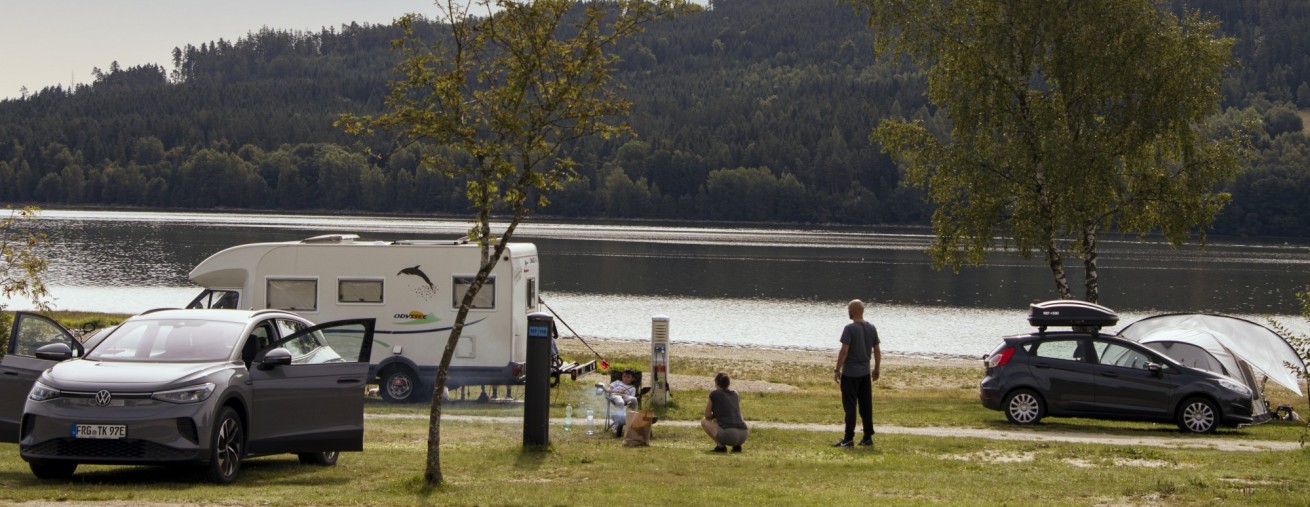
1154	368
274	358
54	352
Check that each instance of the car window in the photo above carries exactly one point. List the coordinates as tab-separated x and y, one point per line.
1114	354
36	332
287	327
169	340
309	348
259	338
1069	350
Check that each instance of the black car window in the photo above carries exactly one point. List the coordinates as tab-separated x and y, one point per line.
1114	354
259	338
1068	350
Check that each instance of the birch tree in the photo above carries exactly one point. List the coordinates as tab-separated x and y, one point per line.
492	101
1069	119
21	266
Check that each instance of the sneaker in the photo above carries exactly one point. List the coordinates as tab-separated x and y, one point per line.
719	448
844	443
736	448
867	441
618	431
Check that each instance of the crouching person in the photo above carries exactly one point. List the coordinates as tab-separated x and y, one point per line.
723	422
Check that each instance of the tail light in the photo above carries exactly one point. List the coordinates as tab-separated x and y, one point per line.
1000	358
517	370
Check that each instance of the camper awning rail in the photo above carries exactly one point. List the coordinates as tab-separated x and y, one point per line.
429	242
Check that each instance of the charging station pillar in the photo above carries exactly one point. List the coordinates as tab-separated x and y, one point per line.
659	361
536	391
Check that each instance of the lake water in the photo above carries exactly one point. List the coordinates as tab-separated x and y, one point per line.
750	286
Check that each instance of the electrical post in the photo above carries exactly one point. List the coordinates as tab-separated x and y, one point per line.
659	361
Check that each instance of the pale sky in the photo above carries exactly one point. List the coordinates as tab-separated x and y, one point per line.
51	42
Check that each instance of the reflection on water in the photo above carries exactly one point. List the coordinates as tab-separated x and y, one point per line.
780	286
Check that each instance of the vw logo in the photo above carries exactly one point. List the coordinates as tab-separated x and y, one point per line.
103	398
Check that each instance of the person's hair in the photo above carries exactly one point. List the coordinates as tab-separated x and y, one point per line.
722	380
630	371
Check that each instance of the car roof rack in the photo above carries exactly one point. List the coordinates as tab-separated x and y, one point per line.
1070	313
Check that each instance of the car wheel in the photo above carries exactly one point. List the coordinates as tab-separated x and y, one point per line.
228	443
400	385
323	459
51	470
1198	415
1024	407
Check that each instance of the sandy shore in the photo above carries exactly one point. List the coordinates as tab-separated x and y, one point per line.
575	350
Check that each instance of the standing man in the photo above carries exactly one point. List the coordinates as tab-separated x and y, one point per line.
859	342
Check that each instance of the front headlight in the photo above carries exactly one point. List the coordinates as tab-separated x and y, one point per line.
193	394
42	392
1234	386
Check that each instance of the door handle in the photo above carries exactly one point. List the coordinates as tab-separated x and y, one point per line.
14	373
1109	374
348	380
1041	365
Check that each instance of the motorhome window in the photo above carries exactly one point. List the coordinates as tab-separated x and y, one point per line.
294	295
359	291
532	295
216	299
485	299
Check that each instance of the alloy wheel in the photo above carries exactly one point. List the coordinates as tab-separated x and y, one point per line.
1198	416
1024	408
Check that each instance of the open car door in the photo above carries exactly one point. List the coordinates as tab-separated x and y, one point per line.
308	390
20	367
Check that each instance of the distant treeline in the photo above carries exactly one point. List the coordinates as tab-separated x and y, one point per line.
754	110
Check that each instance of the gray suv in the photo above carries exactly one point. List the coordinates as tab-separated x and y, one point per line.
206	387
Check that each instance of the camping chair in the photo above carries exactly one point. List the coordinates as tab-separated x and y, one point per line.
616	374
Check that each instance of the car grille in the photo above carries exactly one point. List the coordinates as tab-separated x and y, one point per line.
105	449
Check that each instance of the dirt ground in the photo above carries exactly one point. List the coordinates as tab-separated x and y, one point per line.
819	358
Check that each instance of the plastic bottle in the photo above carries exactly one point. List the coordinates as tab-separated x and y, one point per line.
568	417
591	421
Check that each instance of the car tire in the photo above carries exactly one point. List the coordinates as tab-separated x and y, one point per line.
53	470
1198	415
323	459
1024	406
400	385
227	446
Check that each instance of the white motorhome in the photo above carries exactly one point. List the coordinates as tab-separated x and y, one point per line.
412	288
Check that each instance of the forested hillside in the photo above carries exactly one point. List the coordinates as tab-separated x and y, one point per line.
751	110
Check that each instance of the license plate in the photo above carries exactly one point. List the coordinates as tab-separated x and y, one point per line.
99	431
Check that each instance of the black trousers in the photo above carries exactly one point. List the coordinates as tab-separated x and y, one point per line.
857	392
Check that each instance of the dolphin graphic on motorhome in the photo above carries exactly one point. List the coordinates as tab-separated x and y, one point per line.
416	272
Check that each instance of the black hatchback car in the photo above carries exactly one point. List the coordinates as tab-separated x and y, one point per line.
1083	373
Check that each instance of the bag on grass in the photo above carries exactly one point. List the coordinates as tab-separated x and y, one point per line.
637	433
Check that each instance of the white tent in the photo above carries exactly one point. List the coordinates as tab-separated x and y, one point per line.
1237	347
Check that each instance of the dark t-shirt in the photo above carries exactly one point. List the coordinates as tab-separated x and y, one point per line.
726	406
861	338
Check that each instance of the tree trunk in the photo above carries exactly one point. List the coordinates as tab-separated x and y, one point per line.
432	475
1090	280
1057	270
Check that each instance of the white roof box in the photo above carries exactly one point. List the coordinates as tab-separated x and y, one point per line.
1068	312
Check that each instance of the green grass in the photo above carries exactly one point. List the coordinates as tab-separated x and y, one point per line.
485	463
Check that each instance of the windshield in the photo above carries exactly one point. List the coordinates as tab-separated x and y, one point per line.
169	340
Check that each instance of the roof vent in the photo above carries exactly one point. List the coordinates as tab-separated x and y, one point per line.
332	238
